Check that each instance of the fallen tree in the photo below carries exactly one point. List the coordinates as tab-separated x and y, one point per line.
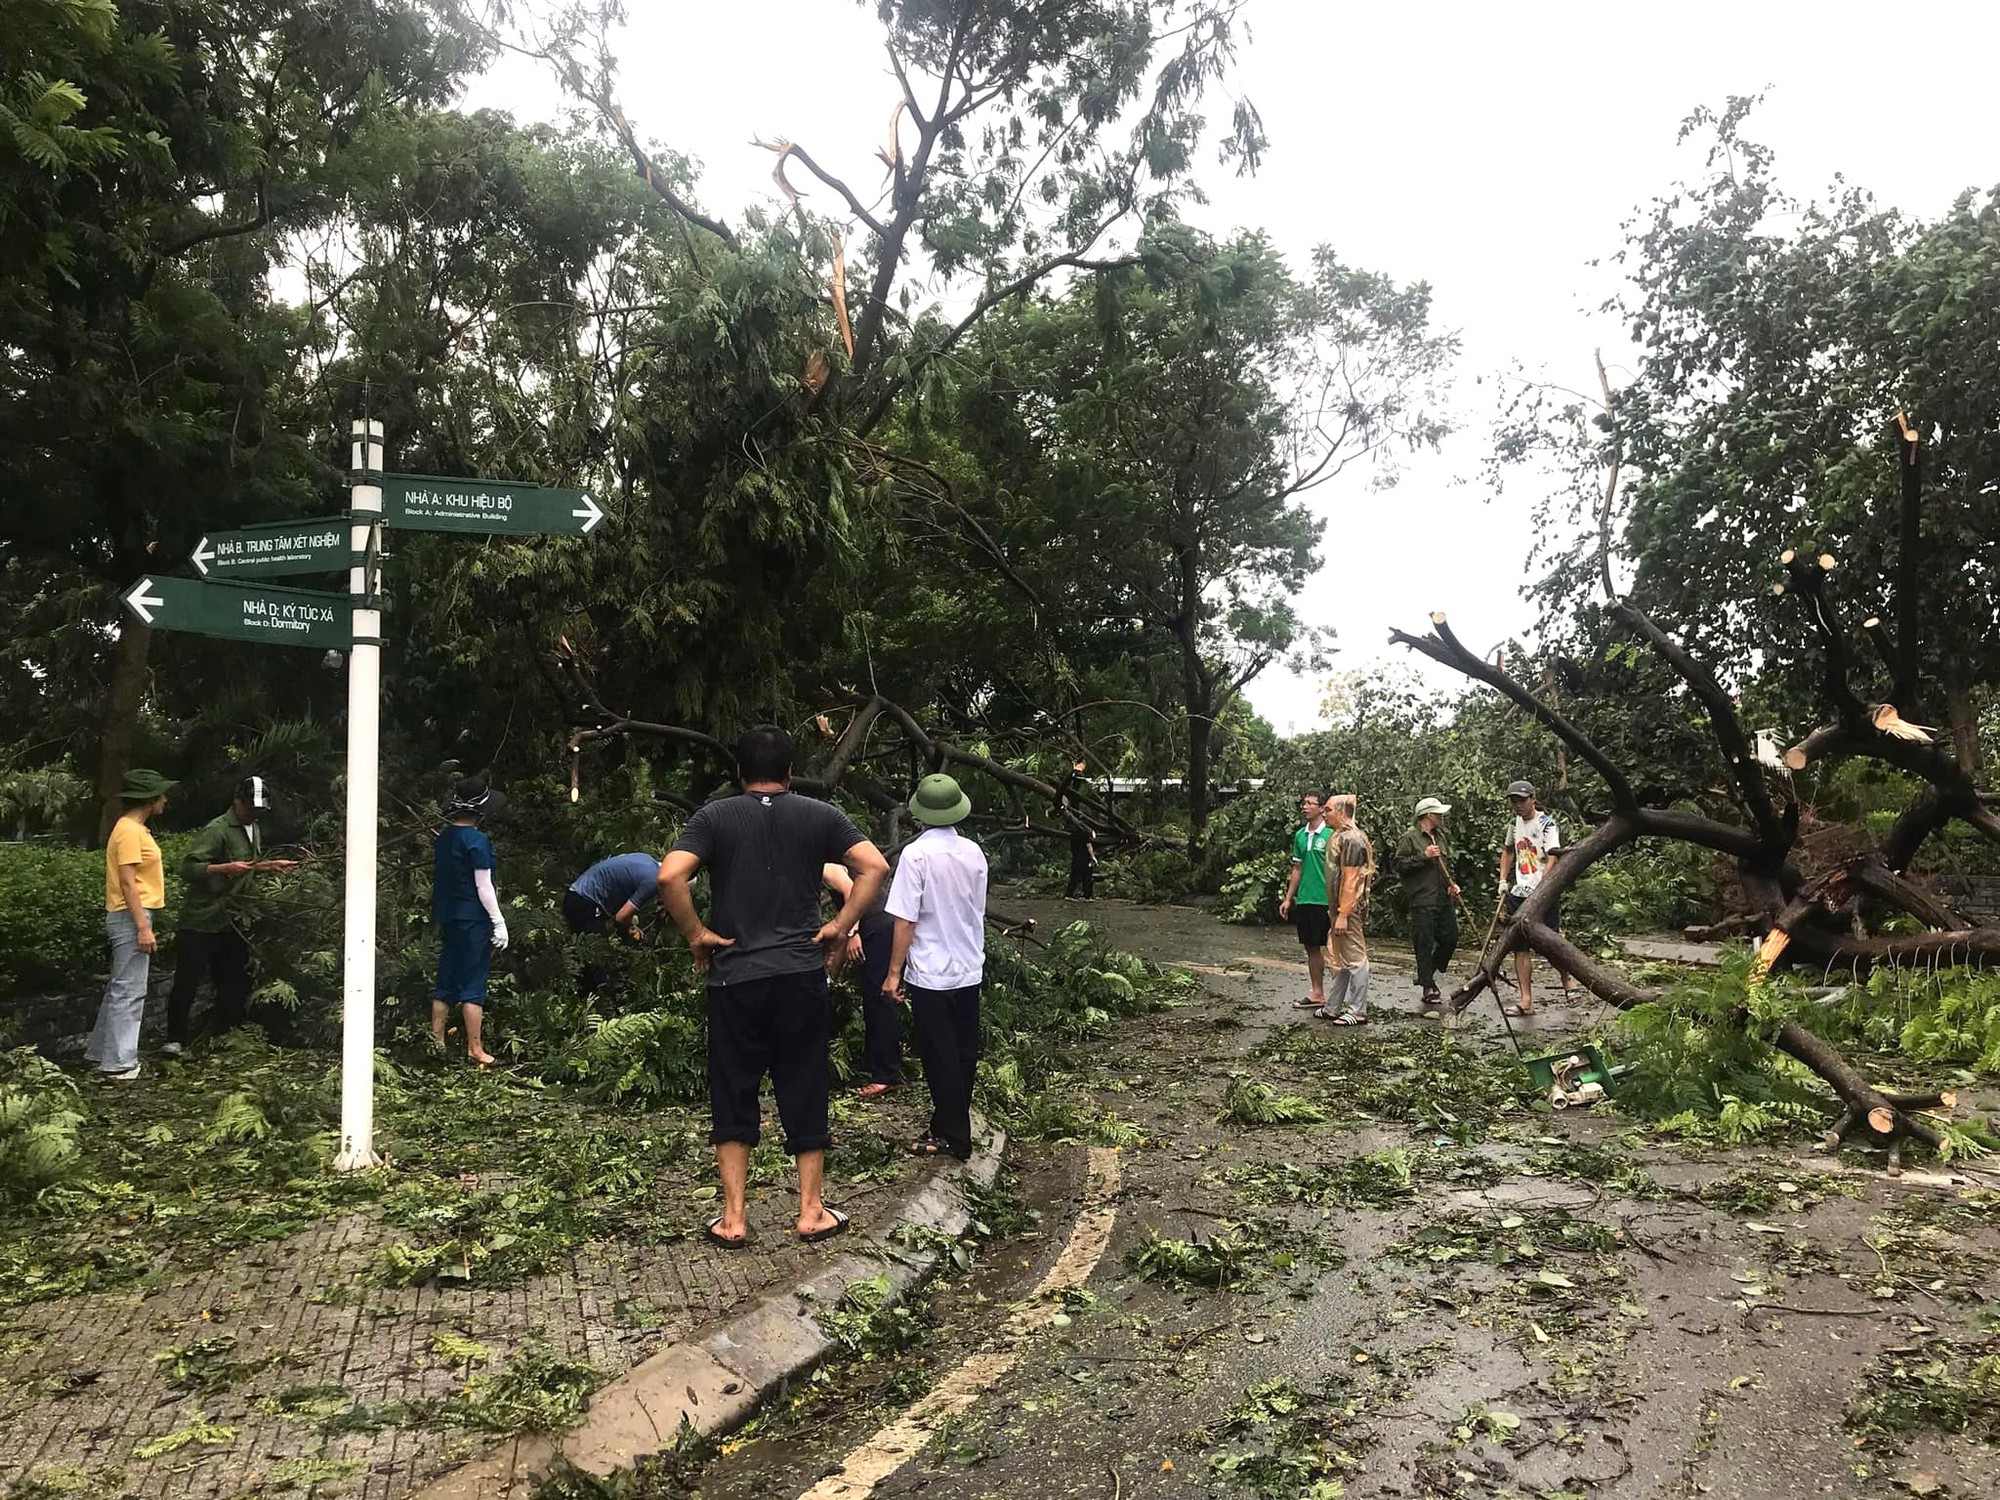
1818	923
876	750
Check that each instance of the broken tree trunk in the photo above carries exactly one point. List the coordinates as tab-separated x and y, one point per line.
1804	917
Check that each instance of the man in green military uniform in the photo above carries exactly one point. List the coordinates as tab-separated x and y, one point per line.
1422	860
225	855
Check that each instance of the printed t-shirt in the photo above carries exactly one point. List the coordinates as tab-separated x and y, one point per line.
459	850
1309	854
623	877
131	844
1531	840
1350	850
763	852
940	886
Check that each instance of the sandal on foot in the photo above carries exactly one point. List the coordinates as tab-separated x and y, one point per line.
1515	1010
876	1090
716	1237
1308	1004
929	1145
814	1236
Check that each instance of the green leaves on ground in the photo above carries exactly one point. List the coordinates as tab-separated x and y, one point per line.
39	1116
1249	1103
537	1390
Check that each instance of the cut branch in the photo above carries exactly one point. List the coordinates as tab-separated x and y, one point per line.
1444	647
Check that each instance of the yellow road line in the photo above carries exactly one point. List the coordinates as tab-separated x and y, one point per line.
900	1441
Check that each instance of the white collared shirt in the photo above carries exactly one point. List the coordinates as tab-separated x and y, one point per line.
940	886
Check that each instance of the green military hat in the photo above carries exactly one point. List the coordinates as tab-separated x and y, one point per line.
939	802
142	785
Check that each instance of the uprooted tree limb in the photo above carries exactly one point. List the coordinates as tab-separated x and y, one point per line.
1814	922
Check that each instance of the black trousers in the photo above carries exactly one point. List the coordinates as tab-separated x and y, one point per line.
779	1026
1434	935
947	1027
1080	873
881	1016
221	956
583	915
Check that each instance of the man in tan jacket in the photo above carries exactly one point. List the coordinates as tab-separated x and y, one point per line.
1350	873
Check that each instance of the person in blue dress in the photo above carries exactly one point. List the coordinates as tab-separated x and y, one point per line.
466	910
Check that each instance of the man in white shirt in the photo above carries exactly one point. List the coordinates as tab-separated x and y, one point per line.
1534	844
938	959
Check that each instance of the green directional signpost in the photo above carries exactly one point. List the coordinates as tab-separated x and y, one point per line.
424	502
218	605
275	549
245	612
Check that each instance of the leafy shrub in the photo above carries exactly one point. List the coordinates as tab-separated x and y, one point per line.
51	918
1655	887
38	1124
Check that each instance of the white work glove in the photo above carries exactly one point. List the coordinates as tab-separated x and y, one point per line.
499	936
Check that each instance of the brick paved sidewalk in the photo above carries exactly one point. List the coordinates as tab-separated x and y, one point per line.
314	1394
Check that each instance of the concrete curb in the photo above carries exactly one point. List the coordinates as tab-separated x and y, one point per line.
714	1379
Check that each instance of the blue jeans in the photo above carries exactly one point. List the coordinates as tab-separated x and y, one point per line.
114	1040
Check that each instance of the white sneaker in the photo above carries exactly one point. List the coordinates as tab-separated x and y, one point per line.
127	1076
172	1049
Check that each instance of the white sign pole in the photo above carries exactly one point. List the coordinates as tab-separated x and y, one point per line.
364	737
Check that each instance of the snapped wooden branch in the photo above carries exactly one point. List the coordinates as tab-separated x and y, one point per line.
1809	924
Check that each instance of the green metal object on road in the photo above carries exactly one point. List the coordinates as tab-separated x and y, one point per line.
425	502
245	612
275	549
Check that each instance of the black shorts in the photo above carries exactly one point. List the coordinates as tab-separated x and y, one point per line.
781	1026
1555	917
1315	925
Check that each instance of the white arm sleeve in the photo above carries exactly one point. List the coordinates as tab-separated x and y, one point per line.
482	881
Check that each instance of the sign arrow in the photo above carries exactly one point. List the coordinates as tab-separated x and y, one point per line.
274	549
489	507
245	611
140	602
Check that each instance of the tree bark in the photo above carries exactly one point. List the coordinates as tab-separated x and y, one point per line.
122	700
1963	707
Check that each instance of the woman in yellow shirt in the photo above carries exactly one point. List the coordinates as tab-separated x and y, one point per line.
135	887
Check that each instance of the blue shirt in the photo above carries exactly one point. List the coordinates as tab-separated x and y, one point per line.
623	877
459	851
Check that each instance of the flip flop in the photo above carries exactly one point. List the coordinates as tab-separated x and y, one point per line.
1308	1004
1515	1010
876	1090
714	1237
838	1226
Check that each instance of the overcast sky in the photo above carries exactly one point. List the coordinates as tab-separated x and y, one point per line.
1491	150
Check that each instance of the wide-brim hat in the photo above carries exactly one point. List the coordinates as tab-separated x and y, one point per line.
939	802
142	785
1520	789
471	795
1432	805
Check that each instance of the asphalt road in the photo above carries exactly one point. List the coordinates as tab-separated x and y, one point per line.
1431	1291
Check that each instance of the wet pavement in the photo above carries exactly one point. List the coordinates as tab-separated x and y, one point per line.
1428	1290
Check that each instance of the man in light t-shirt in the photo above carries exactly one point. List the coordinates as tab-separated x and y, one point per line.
938	961
1534	843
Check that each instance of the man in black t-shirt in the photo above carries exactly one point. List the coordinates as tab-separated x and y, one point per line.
765	952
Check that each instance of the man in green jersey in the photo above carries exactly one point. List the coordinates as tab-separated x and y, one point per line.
1304	902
